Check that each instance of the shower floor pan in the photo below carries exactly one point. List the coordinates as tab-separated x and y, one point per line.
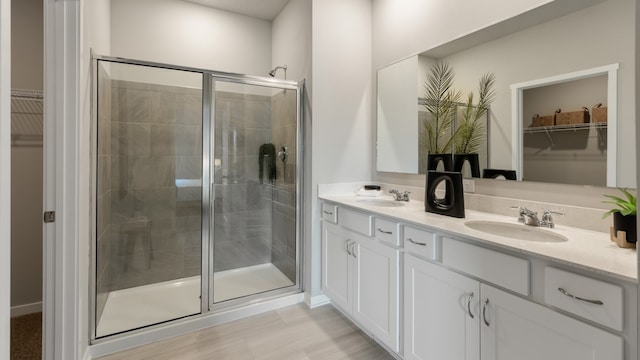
140	306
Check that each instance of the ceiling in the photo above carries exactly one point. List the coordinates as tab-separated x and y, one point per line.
262	9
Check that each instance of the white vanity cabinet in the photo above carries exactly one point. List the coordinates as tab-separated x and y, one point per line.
451	316
377	284
361	276
441	318
337	265
465	300
514	328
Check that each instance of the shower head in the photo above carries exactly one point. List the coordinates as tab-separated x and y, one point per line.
272	73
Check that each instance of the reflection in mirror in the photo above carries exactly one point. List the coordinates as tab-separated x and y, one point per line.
397	117
568	145
553	45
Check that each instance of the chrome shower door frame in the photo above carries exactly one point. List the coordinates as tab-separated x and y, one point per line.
209	77
298	87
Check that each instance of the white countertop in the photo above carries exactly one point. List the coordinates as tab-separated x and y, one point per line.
584	249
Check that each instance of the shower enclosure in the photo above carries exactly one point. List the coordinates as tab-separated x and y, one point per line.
196	193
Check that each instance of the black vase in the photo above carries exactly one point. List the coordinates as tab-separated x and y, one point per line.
626	224
434	159
472	159
452	203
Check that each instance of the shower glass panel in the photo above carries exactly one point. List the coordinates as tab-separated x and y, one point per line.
255	188
148	196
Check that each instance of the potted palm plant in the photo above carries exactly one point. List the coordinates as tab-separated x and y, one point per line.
470	132
624	214
441	103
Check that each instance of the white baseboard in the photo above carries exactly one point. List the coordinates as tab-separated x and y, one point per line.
315	301
26	309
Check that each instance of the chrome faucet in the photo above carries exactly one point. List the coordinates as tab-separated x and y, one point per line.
547	219
526	216
400	196
530	217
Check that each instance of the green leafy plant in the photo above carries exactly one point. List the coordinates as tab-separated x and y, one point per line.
470	134
441	103
625	206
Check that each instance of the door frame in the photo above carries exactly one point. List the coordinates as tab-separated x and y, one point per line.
62	337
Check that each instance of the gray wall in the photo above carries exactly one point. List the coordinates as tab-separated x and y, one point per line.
27	44
26	163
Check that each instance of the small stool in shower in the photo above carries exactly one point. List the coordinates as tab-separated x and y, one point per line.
137	229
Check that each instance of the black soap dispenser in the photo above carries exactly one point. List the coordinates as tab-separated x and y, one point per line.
452	204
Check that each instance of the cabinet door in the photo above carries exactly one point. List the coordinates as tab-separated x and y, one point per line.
441	318
514	328
337	266
378	290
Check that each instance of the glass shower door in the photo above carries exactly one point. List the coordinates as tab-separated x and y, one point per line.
148	196
255	136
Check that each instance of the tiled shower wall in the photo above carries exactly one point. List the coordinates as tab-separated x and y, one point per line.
242	208
283	249
103	191
156	138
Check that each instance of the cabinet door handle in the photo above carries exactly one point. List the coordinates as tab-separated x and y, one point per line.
469	297
347	245
417	243
327	212
484	312
566	293
353	250
385	232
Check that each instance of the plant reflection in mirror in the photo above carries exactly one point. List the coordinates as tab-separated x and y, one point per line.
469	134
441	103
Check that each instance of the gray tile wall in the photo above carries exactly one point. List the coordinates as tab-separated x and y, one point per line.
156	137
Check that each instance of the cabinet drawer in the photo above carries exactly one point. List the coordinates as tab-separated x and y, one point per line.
386	230
330	212
355	220
420	242
588	298
501	269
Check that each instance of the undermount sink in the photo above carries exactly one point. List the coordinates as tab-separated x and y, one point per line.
381	202
516	231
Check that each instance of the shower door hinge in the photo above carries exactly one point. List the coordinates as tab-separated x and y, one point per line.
49	216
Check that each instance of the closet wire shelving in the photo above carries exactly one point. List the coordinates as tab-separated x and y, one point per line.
26	117
548	130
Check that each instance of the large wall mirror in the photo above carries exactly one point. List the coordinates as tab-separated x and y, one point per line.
545	43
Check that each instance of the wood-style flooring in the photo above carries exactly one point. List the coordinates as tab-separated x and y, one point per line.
295	332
